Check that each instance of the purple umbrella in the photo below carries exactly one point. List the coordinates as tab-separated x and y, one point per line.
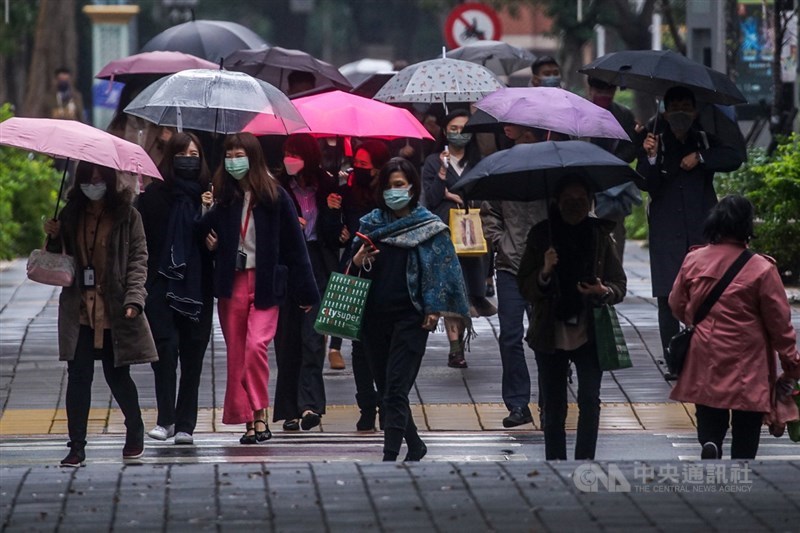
158	63
552	109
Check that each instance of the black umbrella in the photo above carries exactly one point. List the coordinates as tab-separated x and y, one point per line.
370	86
528	172
482	122
655	71
211	39
498	56
274	64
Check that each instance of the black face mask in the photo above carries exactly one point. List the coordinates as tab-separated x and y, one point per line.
63	86
363	176
186	167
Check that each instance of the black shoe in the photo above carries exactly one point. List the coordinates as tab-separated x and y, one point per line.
76	456
710	451
367	420
132	451
247	438
517	417
310	420
456	359
416	454
261	436
291	425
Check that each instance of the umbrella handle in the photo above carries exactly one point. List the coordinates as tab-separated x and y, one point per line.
61	189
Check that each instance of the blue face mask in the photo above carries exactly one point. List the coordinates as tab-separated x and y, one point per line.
550	81
397	199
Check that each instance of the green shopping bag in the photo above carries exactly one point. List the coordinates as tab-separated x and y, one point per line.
611	348
794	427
342	307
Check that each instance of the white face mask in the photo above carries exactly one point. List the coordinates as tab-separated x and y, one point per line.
93	191
293	165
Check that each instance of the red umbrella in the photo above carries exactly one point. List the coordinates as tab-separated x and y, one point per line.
158	62
337	113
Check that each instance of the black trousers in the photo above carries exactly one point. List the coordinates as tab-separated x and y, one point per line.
186	344
712	425
300	353
553	373
80	374
394	345
668	325
367	397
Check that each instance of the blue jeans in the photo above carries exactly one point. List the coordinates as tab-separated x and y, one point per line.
511	307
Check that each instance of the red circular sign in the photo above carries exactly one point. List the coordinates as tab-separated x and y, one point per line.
471	22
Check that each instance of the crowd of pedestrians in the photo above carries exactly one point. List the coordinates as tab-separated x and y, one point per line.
264	238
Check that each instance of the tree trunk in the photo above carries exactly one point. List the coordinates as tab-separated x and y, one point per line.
55	45
732	38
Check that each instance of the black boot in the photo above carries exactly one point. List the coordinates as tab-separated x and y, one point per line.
76	456
367	420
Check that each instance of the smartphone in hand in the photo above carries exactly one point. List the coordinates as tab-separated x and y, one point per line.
366	240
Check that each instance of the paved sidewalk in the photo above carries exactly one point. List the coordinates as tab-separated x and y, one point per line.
32	380
443	496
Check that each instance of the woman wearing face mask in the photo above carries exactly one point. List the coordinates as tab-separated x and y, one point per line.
100	315
570	265
440	173
341	221
416	279
299	349
179	286
260	258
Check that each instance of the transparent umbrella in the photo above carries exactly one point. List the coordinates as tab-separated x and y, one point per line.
219	101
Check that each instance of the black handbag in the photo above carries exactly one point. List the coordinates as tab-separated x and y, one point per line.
678	347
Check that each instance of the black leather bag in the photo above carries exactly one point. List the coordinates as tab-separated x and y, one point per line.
675	355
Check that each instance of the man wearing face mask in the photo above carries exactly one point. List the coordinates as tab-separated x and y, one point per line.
67	103
616	203
678	166
545	72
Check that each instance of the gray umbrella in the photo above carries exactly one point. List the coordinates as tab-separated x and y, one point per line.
215	100
497	56
529	172
210	39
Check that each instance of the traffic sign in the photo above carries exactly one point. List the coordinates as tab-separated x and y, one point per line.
471	22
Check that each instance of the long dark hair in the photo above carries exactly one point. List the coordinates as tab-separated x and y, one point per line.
179	142
114	198
731	218
306	148
398	164
472	154
262	184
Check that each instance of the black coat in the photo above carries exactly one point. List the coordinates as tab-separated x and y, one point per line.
680	200
282	263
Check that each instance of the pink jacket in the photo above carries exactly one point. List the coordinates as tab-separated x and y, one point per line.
727	365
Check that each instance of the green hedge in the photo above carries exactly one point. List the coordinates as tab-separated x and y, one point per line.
773	185
28	189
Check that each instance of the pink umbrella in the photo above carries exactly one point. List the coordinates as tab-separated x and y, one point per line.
158	62
337	113
552	109
73	140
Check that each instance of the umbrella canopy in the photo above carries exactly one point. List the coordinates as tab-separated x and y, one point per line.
440	80
343	114
497	56
215	100
75	140
370	86
655	71
274	64
529	172
552	109
358	71
147	63
209	39
482	122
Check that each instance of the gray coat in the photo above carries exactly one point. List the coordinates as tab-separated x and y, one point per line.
506	225
680	200
126	272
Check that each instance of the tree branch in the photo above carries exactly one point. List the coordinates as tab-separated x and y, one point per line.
666	10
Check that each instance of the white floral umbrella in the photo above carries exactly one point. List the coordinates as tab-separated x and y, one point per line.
440	80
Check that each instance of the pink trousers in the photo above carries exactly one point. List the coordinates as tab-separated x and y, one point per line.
248	332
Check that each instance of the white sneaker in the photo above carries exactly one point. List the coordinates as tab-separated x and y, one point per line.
161	433
182	437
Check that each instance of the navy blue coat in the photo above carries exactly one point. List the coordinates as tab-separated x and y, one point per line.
680	200
282	263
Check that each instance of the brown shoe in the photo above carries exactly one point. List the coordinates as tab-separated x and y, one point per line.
336	360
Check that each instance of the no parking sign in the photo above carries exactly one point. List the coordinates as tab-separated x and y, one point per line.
471	22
